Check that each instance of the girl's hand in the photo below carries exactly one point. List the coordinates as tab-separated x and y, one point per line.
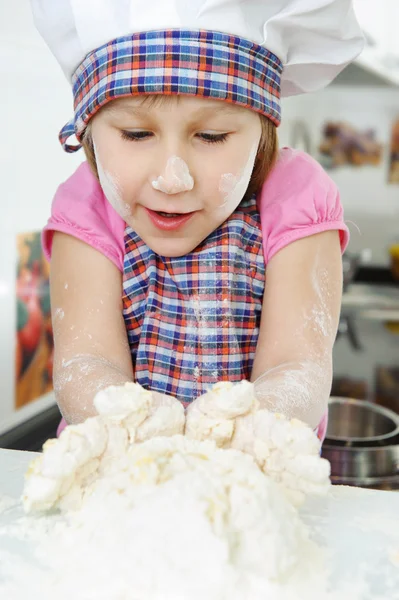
67	466
143	413
212	415
286	450
166	418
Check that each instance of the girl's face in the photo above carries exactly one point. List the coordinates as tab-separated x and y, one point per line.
175	168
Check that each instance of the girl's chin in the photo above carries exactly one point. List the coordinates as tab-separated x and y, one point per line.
170	247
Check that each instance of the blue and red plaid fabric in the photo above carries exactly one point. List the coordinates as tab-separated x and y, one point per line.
199	63
194	320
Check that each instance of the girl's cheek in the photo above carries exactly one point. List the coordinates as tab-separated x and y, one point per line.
232	186
112	189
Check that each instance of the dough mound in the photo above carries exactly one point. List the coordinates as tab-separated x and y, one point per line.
152	513
172	494
84	452
286	450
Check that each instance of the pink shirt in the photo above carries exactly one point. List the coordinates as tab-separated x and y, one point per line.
298	199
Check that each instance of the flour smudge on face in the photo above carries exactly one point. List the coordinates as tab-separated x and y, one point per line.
233	187
176	179
111	189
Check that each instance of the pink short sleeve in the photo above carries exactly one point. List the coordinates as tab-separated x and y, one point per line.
80	209
297	200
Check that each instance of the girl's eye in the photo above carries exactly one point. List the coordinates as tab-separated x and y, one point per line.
136	136
213	138
209	138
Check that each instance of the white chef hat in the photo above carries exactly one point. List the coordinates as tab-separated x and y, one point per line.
249	52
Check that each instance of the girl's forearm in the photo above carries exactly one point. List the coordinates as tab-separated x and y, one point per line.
297	389
78	379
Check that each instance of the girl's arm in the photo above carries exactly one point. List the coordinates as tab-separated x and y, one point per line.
91	346
292	370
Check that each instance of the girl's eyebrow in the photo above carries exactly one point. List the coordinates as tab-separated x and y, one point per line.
223	108
143	108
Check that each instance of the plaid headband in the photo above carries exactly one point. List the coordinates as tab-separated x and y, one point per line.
196	63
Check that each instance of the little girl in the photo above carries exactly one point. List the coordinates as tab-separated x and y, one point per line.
187	249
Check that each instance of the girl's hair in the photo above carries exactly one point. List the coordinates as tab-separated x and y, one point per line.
264	162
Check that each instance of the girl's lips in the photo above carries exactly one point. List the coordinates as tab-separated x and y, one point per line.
168	223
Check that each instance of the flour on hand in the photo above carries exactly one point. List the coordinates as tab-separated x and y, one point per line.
286	450
84	452
212	416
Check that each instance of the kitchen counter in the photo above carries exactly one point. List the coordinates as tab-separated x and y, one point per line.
359	528
366	351
362	297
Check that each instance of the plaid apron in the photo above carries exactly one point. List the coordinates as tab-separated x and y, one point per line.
194	320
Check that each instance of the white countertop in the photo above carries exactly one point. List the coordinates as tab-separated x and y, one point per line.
359	527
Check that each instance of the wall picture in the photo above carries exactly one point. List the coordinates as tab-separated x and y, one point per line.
34	338
394	154
343	145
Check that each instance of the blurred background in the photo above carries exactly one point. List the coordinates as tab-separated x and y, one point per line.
352	128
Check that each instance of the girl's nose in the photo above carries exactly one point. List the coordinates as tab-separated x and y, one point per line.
176	177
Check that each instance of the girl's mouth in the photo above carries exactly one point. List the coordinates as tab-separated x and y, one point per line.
168	221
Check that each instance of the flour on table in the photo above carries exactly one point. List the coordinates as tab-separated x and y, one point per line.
394	557
124	507
6	502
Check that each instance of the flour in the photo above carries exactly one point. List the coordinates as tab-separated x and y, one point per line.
198	310
177	519
59	314
297	389
169	518
81	377
6	502
394	557
233	187
127	414
318	318
79	367
287	451
380	524
177	177
289	386
321	311
301	389
112	190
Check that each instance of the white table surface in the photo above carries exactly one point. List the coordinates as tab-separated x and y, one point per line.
359	527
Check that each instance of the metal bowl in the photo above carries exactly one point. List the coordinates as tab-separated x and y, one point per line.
361	463
388	483
354	422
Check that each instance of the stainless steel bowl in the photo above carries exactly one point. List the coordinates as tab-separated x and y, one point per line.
357	421
362	463
388	483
